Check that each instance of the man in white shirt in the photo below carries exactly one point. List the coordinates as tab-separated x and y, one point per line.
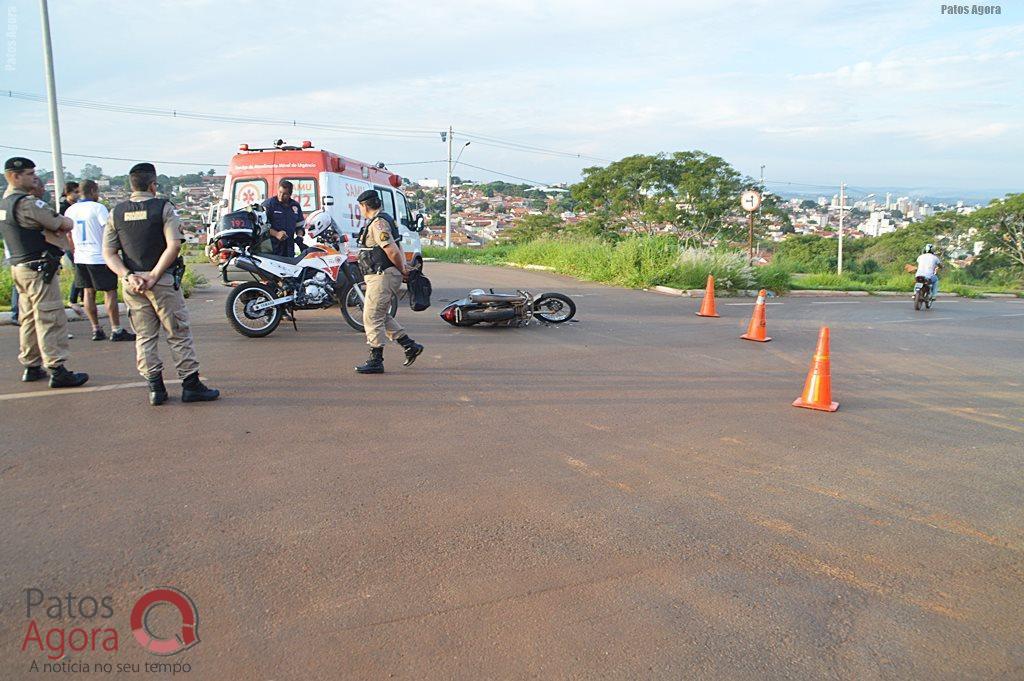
91	272
928	266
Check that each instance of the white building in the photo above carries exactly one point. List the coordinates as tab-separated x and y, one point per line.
877	223
428	183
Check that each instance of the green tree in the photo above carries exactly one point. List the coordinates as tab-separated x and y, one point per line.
532	227
1001	227
707	193
91	172
628	194
693	191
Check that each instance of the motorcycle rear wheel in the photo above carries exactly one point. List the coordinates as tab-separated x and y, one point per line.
243	320
352	306
918	299
557	308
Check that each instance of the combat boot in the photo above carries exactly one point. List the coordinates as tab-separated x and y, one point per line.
193	390
412	349
33	374
60	377
374	365
157	389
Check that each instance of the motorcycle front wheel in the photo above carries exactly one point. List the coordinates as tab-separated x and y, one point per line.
352	306
241	315
554	308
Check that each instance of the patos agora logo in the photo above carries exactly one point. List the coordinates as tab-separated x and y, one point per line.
97	634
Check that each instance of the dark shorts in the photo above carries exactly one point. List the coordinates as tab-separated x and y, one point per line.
98	277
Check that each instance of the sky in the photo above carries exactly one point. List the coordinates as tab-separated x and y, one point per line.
819	91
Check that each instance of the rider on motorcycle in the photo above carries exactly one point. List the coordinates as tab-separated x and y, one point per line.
928	266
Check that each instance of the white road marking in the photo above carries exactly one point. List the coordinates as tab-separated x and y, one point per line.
751	303
837	302
51	392
922	319
1021	314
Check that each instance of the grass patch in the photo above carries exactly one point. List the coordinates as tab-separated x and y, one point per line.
192	280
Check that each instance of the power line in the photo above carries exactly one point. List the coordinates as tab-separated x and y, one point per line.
518	146
119	158
414	163
514	177
376	130
381	131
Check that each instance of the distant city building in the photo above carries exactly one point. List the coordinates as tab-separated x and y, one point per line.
429	183
877	223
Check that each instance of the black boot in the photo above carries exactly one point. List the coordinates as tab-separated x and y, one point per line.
33	374
374	365
412	349
60	377
193	390
157	389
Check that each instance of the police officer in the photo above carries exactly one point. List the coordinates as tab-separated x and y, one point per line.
141	243
382	263
285	215
36	237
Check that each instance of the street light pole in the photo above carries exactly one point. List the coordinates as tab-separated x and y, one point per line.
51	93
842	209
448	196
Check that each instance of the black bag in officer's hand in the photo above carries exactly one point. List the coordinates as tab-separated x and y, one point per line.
419	290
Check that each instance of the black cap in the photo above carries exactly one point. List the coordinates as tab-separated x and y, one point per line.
142	168
368	195
18	163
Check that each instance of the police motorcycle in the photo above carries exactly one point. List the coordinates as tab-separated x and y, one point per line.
320	277
508	309
923	293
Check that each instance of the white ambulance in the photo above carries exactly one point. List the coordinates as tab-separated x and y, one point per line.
321	179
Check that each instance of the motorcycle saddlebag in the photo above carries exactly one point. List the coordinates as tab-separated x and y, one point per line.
419	290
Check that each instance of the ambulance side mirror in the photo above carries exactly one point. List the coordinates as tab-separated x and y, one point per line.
420	222
328	201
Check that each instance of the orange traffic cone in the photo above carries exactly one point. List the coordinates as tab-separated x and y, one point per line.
757	330
707	306
818	387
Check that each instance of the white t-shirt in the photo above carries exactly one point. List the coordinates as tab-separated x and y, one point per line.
926	264
90	217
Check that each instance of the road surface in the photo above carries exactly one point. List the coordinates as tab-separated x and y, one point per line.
630	495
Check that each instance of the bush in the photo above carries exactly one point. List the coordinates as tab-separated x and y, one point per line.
730	269
773	277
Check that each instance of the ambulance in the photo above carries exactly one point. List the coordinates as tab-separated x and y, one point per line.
321	179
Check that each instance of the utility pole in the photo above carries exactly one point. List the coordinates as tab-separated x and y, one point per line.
51	93
448	195
842	209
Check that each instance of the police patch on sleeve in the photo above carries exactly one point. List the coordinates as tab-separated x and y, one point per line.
40	203
384	235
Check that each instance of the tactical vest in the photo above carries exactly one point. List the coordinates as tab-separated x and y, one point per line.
24	244
140	229
373	260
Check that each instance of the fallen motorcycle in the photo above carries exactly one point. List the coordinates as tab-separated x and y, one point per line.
508	309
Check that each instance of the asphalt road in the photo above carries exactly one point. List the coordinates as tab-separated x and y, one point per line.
630	495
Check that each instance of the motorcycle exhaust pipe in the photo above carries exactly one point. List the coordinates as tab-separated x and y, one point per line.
246	265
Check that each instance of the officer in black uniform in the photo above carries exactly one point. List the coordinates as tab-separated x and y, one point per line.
141	243
36	237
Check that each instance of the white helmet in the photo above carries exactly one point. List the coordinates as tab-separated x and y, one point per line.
320	225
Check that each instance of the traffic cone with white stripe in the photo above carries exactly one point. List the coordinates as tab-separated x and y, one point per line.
707	306
818	387
757	330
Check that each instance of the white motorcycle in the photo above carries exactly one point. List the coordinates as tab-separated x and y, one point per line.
321	277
